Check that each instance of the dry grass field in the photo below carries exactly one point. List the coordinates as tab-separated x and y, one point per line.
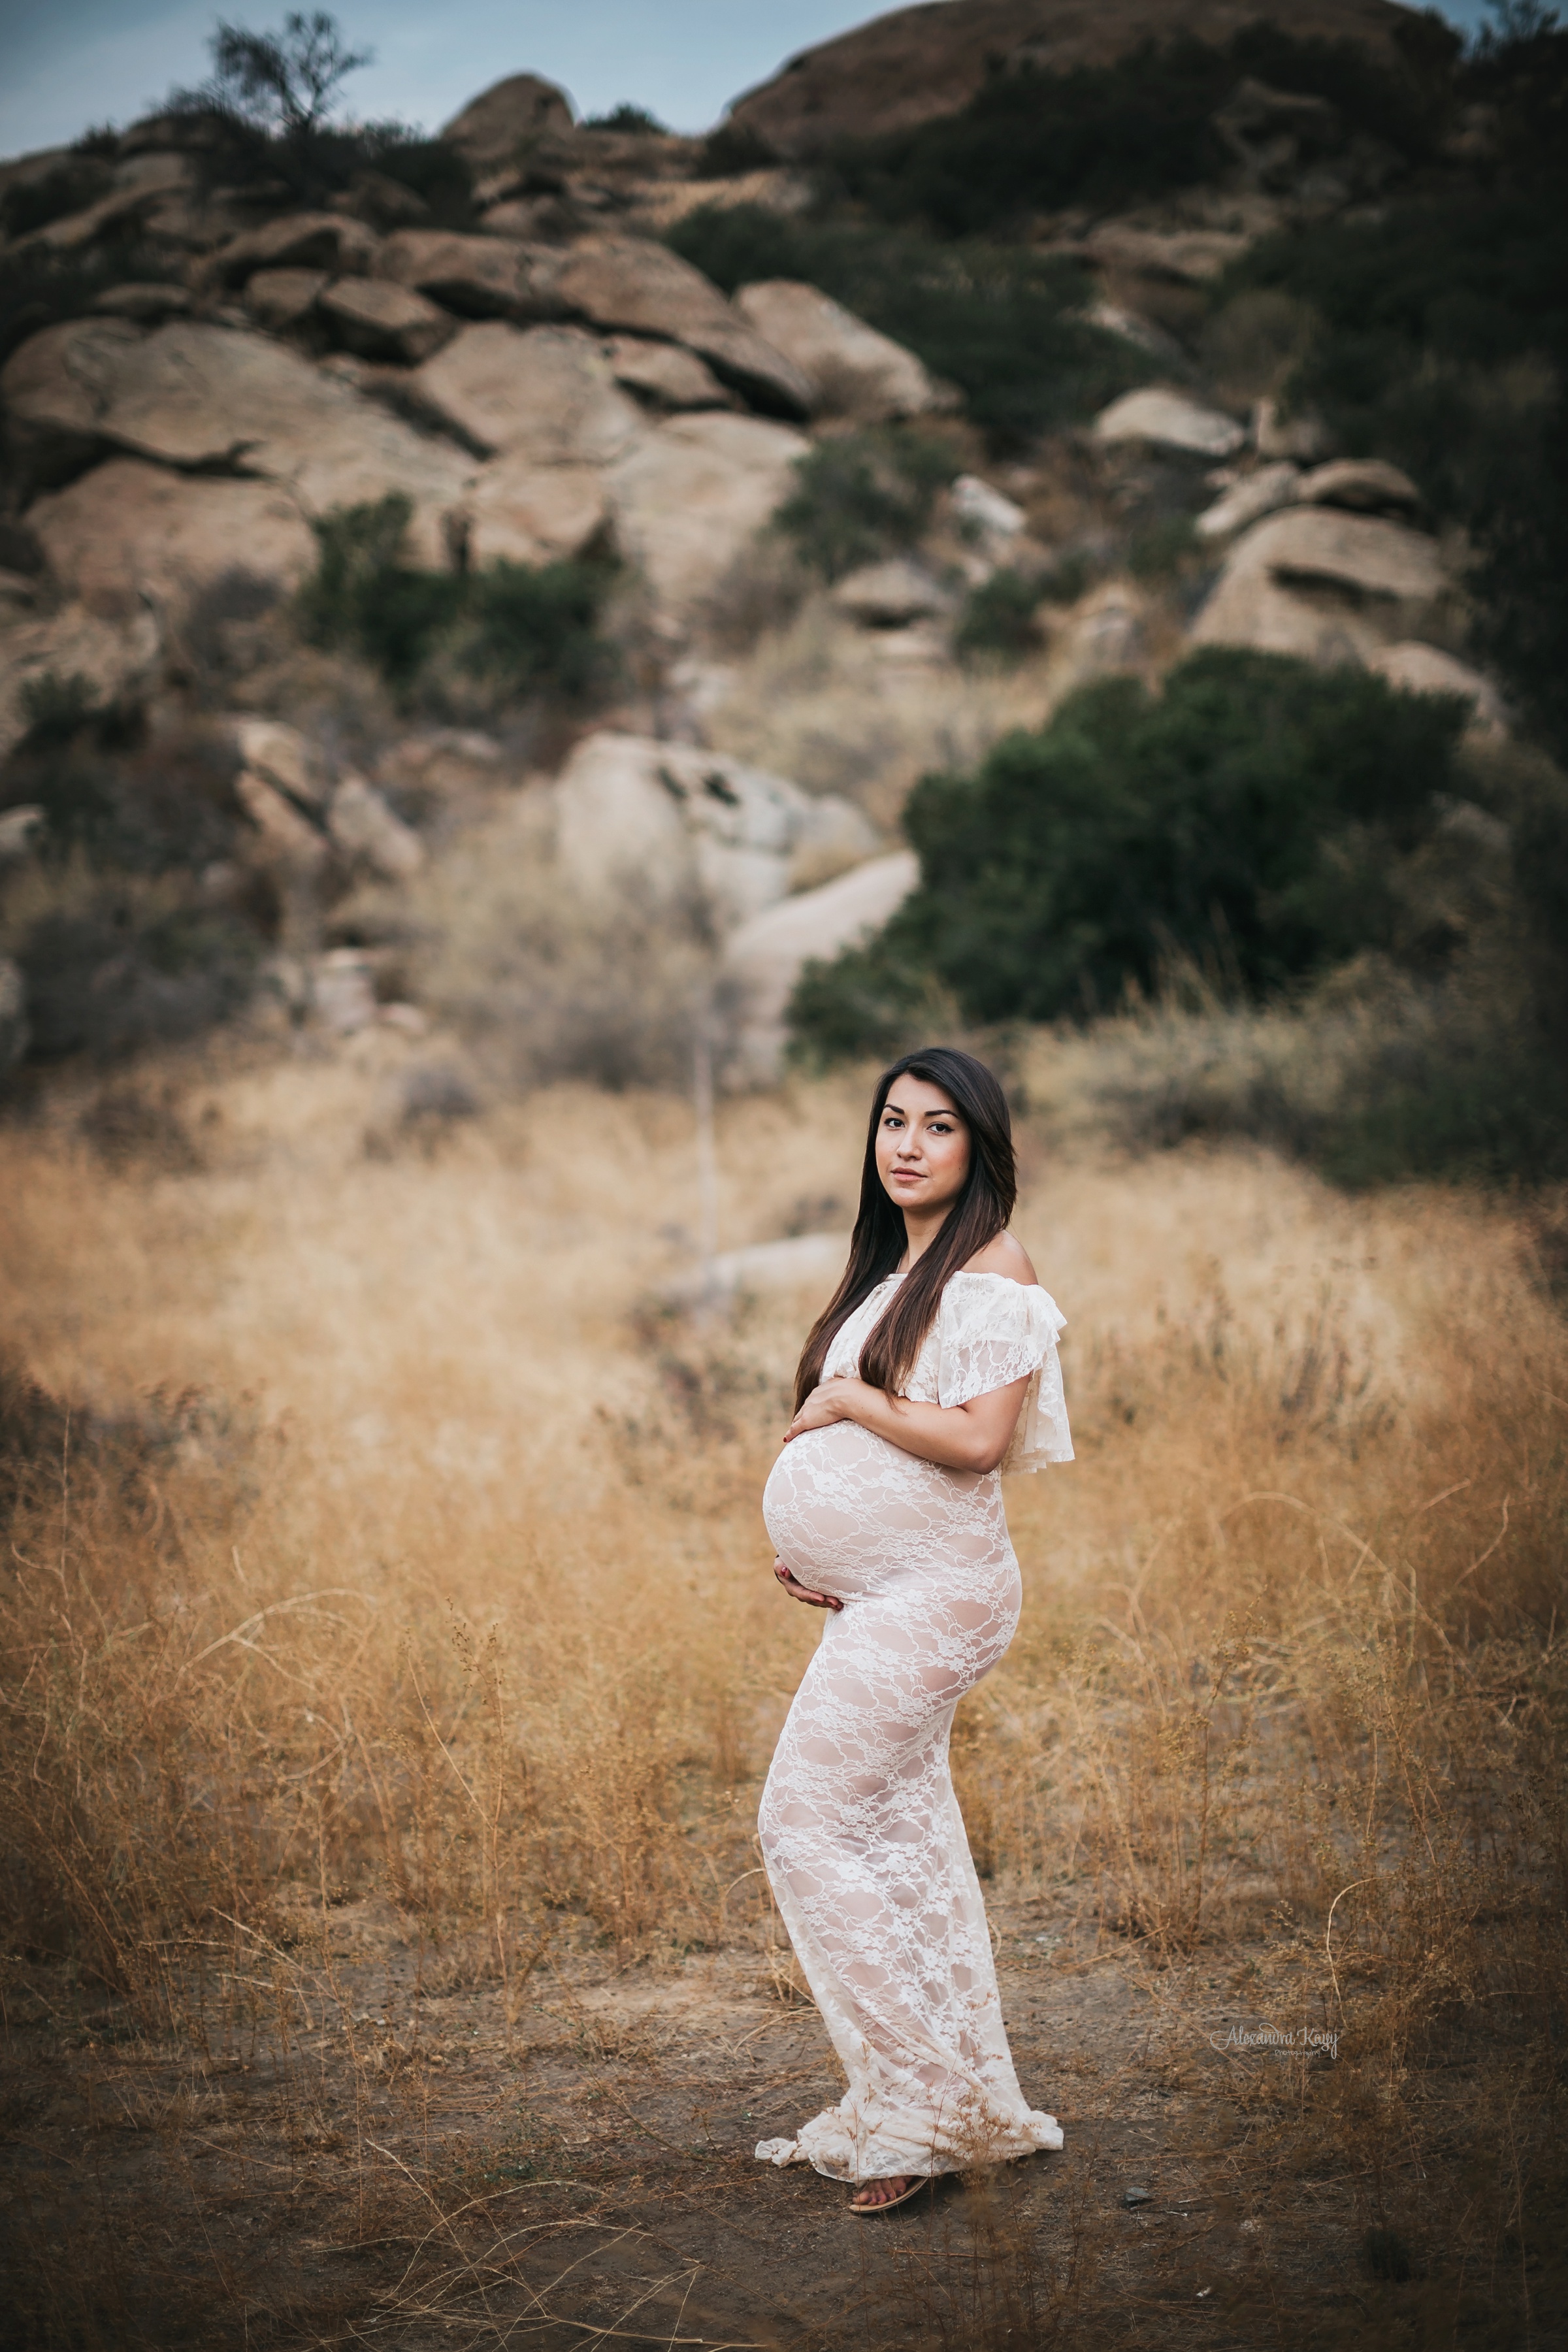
391	1660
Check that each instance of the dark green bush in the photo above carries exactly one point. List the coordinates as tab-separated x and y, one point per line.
734	148
627	117
523	630
864	496
1257	816
125	971
999	616
1002	324
73	184
135	805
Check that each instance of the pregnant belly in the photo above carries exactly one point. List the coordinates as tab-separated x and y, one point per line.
849	1513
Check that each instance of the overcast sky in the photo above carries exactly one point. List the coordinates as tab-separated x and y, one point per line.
65	64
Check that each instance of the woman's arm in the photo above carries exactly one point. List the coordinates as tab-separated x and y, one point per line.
973	1436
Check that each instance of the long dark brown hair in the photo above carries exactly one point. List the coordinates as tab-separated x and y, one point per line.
980	1212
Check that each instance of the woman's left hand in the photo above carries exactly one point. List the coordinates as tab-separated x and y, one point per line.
831	1401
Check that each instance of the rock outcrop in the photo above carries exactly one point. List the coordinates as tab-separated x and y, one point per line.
477	276
1248	500
642	289
692	494
677	826
763	957
920	63
1330	586
129	531
546	394
664	375
520	513
196	397
507	120
383	321
853	372
1170	420
1416	668
114	659
892	595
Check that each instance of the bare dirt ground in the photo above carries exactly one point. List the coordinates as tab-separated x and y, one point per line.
344	2153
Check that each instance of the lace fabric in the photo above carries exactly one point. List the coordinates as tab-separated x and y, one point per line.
860	1830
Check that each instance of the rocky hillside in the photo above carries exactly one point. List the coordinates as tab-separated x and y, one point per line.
919	64
675	502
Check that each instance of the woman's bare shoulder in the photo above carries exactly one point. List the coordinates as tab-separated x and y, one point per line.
1003	1256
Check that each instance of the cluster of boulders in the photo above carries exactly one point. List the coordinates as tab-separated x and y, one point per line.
1318	557
533	395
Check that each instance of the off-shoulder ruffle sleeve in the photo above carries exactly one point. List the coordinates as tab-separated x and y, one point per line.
993	1331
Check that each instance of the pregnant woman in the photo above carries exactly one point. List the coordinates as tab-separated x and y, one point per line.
933	1369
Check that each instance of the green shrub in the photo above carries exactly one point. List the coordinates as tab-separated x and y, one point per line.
864	496
535	630
1106	136
73	184
119	964
1259	815
999	616
627	117
523	630
1004	325
1165	548
127	803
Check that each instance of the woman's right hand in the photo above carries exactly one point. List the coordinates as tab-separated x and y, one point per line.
800	1591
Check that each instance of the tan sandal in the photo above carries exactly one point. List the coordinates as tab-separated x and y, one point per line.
886	2204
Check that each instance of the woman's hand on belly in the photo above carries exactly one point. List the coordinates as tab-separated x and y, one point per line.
803	1592
973	1436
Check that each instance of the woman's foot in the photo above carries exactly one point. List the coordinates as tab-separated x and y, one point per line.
872	2195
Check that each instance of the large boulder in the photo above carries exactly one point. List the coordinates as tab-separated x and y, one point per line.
520	513
383	321
368	833
300	241
128	530
1189	256
1247	501
642	288
1364	485
1170	420
891	595
1416	668
853	371
1324	585
202	397
112	658
669	824
507	120
917	63
477	276
546	394
763	957
664	375
279	299
692	494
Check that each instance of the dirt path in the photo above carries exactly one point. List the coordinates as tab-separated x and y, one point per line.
358	2150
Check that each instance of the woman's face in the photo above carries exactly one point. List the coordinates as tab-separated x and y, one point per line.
922	1146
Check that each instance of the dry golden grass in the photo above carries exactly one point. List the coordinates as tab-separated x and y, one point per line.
408	1558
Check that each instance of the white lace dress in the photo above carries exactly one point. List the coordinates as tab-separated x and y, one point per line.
861	1833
